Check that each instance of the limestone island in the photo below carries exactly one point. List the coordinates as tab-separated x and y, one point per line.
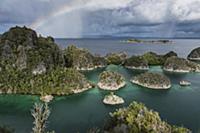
82	59
156	59
116	58
136	63
180	65
194	55
112	99
109	80
152	81
35	65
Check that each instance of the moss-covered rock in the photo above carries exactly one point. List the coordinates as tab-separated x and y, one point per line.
194	54
110	80
82	59
152	81
175	64
136	62
137	118
21	48
116	58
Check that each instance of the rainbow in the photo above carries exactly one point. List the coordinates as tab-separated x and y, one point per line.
62	10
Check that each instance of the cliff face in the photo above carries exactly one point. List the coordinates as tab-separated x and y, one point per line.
176	64
82	59
22	49
194	54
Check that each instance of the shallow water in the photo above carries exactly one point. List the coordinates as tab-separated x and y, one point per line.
178	105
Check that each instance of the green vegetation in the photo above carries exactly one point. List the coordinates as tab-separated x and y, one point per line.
82	59
154	59
116	58
137	118
194	54
136	62
110	77
22	48
180	64
152	80
60	81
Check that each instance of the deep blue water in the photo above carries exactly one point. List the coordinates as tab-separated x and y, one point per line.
70	114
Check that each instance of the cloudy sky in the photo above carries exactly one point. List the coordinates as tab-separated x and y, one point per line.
95	18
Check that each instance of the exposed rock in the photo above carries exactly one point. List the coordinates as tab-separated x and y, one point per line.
116	58
152	81
40	69
46	98
22	48
185	83
109	80
136	62
112	99
180	65
195	54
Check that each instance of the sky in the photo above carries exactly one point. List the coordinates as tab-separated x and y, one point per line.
103	18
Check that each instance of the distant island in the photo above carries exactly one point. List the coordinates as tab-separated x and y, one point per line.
162	41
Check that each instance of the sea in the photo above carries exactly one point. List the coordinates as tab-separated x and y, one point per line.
77	113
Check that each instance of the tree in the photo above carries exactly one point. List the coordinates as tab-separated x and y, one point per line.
41	114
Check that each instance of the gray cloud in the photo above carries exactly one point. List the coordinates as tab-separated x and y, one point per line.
83	18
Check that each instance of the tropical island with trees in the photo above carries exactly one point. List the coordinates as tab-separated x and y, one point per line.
35	65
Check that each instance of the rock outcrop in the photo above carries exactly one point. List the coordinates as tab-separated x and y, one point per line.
152	81
109	80
23	49
82	59
194	54
180	65
112	99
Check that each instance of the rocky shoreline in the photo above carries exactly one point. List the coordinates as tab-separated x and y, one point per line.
111	87
112	99
151	86
152	81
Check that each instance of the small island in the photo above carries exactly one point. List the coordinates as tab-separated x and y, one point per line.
180	65
152	81
112	99
109	80
185	83
194	54
136	63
